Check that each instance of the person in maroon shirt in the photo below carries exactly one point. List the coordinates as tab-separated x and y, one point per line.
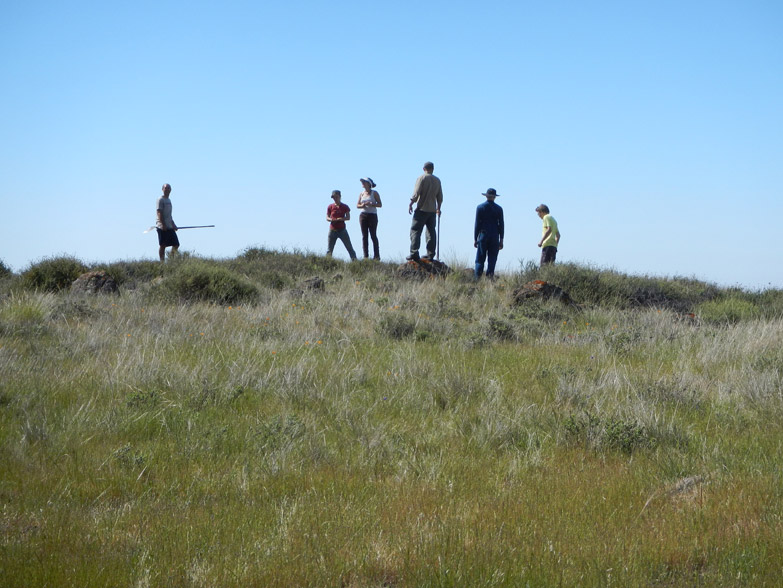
337	213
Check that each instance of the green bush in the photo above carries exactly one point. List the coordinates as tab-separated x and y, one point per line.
396	325
612	289
134	272
728	310
53	274
5	271
197	279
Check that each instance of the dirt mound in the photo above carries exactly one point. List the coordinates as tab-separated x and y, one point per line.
423	269
538	289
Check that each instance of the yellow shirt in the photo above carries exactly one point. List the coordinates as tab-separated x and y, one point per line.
549	223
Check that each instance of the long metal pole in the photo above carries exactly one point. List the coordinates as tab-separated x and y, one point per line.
437	242
193	227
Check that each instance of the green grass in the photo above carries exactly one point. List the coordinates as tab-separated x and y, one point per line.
383	432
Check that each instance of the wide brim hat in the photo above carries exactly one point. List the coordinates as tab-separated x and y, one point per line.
490	192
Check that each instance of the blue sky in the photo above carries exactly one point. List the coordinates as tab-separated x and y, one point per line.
652	130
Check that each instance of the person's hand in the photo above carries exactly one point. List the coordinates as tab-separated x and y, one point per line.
437	212
539	243
501	244
410	208
475	244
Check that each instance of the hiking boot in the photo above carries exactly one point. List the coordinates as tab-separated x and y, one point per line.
413	257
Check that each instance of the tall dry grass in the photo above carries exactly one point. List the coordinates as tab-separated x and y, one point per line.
382	433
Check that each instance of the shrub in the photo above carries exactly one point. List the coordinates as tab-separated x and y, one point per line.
197	279
5	271
607	433
396	325
53	274
728	310
134	272
608	288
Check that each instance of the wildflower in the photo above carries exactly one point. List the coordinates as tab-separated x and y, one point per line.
202	334
274	352
318	342
307	342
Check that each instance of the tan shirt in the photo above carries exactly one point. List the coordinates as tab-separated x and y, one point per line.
428	193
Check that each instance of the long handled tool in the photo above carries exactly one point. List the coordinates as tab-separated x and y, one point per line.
193	227
437	243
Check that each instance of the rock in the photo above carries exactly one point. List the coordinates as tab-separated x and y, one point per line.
423	269
541	290
313	284
95	283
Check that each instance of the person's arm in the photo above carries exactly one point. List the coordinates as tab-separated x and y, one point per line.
439	199
415	196
557	238
359	201
347	216
501	228
378	203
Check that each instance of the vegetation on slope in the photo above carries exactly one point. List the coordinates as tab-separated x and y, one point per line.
222	423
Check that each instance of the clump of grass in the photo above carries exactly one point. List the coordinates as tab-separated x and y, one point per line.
53	274
600	433
731	310
133	273
201	280
396	325
5	271
609	288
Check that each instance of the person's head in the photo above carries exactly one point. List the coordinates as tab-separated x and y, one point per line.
429	167
336	196
542	210
166	189
490	194
367	183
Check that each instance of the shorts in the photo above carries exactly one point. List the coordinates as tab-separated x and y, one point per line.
548	255
167	238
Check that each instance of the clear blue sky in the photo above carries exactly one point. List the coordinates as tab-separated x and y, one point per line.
653	130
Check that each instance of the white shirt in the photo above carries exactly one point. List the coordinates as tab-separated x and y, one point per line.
369	202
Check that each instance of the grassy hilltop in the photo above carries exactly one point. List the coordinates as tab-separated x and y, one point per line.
230	423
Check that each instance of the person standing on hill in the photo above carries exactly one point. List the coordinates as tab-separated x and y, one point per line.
369	202
167	229
551	235
428	197
488	234
337	213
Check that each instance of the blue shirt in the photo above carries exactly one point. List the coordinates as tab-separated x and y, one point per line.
489	221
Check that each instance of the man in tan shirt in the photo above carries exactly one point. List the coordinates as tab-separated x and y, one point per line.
428	197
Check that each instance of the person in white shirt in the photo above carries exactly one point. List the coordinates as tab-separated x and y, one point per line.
369	203
167	228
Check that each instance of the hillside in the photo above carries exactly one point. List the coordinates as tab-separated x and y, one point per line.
239	422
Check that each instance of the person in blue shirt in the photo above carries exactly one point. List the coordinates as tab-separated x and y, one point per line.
488	234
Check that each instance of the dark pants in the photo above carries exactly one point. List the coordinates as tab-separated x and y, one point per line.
342	234
369	224
548	255
421	220
488	248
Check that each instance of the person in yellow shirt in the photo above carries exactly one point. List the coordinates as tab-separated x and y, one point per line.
551	235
